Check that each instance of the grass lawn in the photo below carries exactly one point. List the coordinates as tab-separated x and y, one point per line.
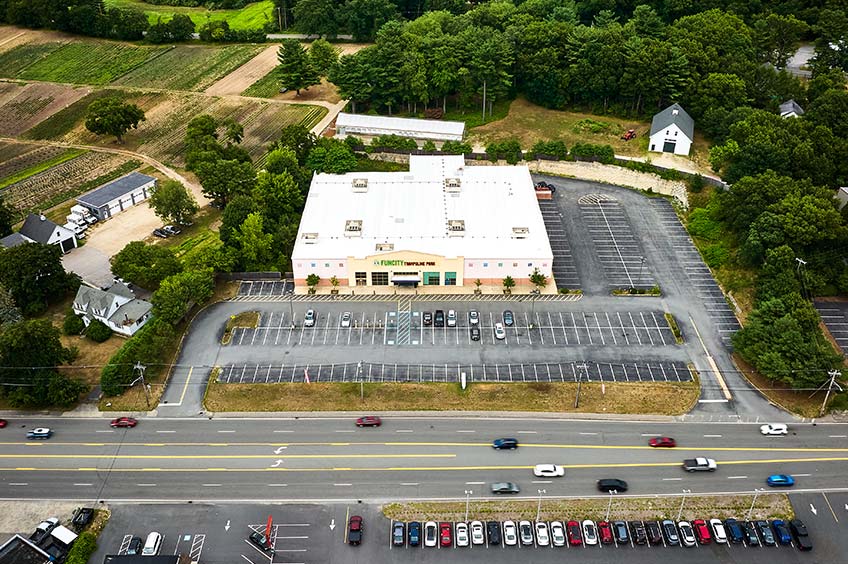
530	123
663	398
252	16
767	506
40	167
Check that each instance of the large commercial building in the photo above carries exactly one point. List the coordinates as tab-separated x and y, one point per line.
371	126
440	224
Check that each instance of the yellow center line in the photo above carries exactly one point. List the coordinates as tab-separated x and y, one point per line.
222	456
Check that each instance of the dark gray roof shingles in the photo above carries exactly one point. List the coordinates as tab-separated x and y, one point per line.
38	228
13	240
115	189
666	117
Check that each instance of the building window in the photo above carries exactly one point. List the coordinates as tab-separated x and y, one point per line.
485	265
361	279
515	265
341	265
450	278
326	265
313	265
431	278
529	264
379	278
500	264
470	264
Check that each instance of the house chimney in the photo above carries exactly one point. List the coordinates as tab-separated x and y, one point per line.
674	112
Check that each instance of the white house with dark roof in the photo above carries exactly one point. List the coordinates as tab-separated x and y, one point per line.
672	131
117	307
373	126
116	196
39	229
791	109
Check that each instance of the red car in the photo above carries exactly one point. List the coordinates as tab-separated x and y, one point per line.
369	421
666	442
605	532
575	537
3	423
702	531
445	534
123	422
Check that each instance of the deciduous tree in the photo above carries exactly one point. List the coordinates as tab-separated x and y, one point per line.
224	179
110	116
34	274
173	203
145	265
179	292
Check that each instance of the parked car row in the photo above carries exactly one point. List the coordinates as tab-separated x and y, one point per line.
167	231
776	532
148	547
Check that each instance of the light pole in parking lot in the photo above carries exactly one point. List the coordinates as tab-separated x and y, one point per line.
682	501
757	491
361	384
609	505
467	499
535	293
539	507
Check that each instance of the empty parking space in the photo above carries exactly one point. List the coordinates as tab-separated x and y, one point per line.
616	247
265	288
699	275
835	317
563	268
407	328
660	371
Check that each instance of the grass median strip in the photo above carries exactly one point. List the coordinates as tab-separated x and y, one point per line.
767	506
665	398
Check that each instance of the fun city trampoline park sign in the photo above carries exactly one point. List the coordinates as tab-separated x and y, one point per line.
403	263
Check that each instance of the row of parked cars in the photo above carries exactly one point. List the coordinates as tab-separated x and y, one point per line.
588	533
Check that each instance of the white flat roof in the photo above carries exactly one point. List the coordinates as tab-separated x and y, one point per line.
411	211
432	126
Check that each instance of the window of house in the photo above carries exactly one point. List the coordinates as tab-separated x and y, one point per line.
313	265
379	278
341	265
529	264
326	265
500	264
515	265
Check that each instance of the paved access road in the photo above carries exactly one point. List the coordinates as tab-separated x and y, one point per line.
331	459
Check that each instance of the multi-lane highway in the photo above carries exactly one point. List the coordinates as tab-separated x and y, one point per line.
406	458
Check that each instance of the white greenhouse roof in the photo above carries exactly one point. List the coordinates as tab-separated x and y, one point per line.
494	207
430	126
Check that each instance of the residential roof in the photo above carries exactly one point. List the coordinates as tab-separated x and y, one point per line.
38	228
674	114
429	126
791	107
18	550
411	211
131	311
14	240
115	189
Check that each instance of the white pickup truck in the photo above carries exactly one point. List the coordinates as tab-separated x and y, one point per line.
700	465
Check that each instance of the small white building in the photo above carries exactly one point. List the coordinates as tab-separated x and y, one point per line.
116	307
118	195
791	109
672	131
39	229
374	126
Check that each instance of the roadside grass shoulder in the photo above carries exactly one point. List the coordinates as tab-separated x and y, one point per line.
780	394
657	398
252	16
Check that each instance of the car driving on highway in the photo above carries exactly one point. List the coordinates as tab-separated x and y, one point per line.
39	434
774	429
548	471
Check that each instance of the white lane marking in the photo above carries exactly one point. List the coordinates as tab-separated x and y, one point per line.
227	431
474	483
671	479
211	485
293	525
802	475
651	435
464	431
344	431
166	431
528	432
105	431
283	431
146	485
403	431
18	483
588	433
409	483
542	482
713	436
277	485
289	550
298	537
90	484
342	485
838	436
736	477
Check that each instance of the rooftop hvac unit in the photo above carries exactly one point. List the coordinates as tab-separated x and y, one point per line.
452	185
360	184
520	232
385	246
309	238
456	228
353	228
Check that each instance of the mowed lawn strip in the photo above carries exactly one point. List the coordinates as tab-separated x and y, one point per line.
190	67
767	506
637	398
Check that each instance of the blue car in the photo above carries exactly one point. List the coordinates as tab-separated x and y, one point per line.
780	480
505	444
414	532
781	531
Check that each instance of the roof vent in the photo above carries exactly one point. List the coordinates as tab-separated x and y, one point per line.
385	246
456	228
675	111
360	184
452	185
353	228
309	238
520	232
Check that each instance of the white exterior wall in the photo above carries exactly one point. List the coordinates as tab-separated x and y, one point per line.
128	330
325	268
671	133
476	268
376	131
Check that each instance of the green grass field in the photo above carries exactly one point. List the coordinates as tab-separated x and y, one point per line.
84	62
252	16
16	60
266	87
189	67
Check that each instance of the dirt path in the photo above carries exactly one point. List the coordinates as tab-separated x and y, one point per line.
240	79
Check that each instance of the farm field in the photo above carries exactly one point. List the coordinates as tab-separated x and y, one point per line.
252	16
189	67
24	105
266	87
31	160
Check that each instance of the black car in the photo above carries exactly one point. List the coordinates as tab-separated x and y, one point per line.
82	517
475	333
505	488
612	485
493	531
637	529
505	444
261	541
427	318
398	533
652	529
414	533
135	546
734	531
439	319
802	537
508	318
765	532
669	530
751	534
161	233
619	531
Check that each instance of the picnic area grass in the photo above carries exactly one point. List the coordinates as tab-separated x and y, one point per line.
252	16
636	398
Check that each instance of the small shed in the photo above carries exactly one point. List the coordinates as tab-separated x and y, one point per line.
116	196
672	131
791	109
373	126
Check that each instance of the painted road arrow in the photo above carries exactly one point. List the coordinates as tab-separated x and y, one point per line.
332	524
277	463
813	509
227	526
280	450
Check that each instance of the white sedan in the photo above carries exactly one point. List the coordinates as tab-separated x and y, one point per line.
500	332
461	534
345	319
774	429
510	533
557	533
548	471
542	536
477	534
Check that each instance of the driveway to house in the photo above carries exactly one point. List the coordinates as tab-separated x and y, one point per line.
90	263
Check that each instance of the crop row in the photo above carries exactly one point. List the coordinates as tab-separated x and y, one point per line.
15	158
26	105
266	87
14	61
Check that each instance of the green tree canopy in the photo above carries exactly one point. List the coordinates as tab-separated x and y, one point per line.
34	274
222	180
179	292
324	55
145	265
256	245
173	203
331	155
110	116
365	17
7	215
295	67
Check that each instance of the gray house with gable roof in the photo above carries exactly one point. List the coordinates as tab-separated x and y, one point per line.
39	229
116	196
672	131
117	307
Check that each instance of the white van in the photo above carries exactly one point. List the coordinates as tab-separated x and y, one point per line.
152	544
451	318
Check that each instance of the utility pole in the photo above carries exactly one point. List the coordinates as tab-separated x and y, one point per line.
484	101
582	367
361	383
534	294
609	505
141	368
680	513
291	308
539	507
757	492
641	266
834	374
467	498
